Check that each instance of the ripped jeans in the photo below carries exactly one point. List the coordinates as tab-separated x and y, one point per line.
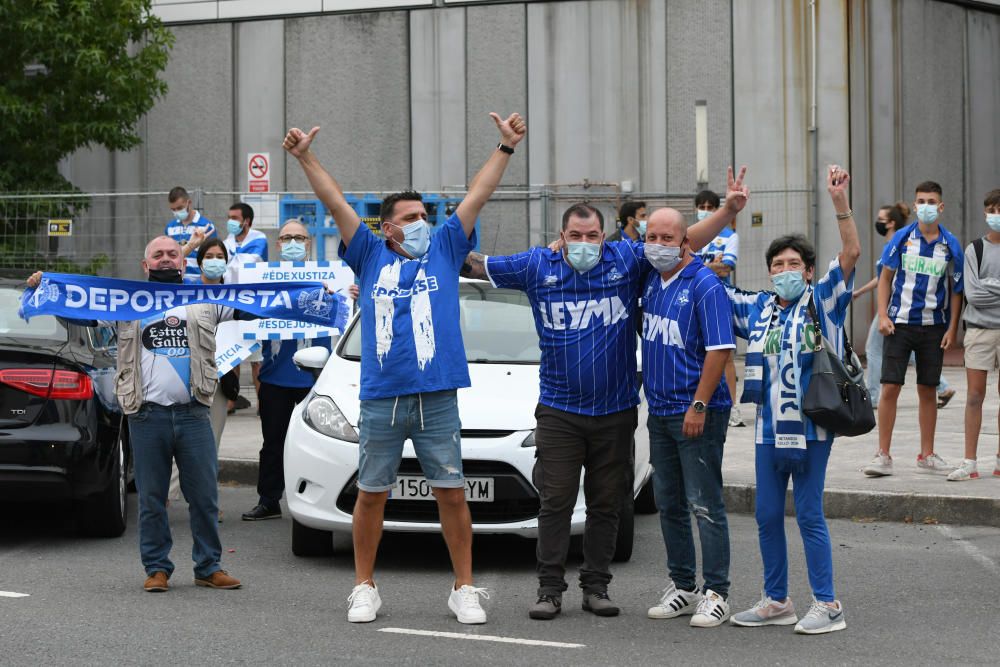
687	479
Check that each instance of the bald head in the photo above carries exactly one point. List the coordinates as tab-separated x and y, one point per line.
666	224
163	253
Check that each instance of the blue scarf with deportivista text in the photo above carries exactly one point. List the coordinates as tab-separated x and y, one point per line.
91	298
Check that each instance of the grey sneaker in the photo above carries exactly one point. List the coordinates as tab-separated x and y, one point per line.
766	612
546	608
880	466
599	604
675	602
822	618
933	464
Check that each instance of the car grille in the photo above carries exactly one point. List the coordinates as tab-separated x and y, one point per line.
514	498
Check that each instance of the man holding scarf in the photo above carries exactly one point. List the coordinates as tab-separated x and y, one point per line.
783	330
165	383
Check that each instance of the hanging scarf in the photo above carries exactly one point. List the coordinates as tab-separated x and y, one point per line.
786	415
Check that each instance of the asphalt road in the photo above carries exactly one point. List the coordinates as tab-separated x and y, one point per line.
913	594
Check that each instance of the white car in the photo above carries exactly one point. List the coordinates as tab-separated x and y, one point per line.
498	453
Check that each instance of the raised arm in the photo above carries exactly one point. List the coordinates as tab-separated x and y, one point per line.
837	181
474	266
297	143
701	233
483	184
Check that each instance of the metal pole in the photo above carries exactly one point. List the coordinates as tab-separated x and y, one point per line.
814	130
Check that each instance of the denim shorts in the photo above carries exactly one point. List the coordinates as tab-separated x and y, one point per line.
429	420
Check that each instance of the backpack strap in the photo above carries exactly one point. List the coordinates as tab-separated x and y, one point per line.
977	245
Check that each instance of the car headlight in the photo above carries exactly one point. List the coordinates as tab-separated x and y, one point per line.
529	441
321	414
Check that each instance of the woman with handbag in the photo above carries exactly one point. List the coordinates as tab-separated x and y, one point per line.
786	329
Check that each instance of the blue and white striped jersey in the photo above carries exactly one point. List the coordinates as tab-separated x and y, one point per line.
585	323
253	248
682	319
920	288
726	244
832	297
182	234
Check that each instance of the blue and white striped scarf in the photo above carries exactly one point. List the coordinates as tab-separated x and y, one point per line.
786	416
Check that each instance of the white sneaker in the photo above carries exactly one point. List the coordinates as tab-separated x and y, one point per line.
712	611
880	466
966	471
675	602
464	603
933	464
736	416
364	603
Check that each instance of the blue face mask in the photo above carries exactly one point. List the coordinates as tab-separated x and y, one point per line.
293	251
213	268
993	220
234	227
583	256
640	226
927	213
416	238
701	215
789	284
180	215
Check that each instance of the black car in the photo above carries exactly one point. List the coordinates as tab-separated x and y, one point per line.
62	434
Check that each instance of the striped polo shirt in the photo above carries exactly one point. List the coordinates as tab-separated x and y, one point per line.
920	288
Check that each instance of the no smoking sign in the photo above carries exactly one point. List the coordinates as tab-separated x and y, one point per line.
259	172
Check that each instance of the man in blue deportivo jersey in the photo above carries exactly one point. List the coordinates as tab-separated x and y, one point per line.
412	358
583	296
919	306
687	338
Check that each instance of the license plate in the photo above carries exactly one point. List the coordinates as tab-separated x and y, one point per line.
477	489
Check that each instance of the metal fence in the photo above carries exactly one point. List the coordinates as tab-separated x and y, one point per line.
109	231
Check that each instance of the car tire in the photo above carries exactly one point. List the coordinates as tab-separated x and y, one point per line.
106	514
310	542
626	532
645	502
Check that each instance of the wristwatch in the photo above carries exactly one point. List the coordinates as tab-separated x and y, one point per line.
506	149
699	407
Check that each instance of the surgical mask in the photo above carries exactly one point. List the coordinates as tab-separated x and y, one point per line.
293	251
165	276
927	213
881	228
701	215
234	226
789	284
640	226
583	256
180	215
213	267
993	220
416	238
664	258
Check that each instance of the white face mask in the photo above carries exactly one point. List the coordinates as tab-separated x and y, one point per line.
664	258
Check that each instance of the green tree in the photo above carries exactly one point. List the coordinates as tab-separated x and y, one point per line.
73	73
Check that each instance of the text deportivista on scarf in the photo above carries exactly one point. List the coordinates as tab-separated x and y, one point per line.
90	297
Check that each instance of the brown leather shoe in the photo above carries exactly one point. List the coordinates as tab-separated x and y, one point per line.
156	583
219	579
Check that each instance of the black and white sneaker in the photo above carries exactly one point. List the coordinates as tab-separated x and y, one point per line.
675	602
712	611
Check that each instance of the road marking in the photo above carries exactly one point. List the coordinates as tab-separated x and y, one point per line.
971	549
9	594
481	638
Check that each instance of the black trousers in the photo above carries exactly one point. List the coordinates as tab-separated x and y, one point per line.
276	405
567	443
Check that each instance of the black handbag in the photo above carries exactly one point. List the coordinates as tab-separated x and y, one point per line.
230	384
837	398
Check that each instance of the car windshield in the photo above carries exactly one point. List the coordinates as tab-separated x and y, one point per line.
42	327
497	327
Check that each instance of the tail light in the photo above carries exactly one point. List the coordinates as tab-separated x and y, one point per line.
49	383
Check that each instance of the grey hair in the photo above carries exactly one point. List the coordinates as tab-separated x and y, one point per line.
297	221
145	253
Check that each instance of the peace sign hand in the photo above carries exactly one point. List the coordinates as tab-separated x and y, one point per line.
297	142
737	194
512	130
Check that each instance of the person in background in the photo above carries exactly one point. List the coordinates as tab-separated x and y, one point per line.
982	332
721	256
632	220
890	219
188	227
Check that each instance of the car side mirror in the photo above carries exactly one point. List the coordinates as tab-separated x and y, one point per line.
311	359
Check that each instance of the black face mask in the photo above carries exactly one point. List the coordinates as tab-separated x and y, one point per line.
165	276
881	228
